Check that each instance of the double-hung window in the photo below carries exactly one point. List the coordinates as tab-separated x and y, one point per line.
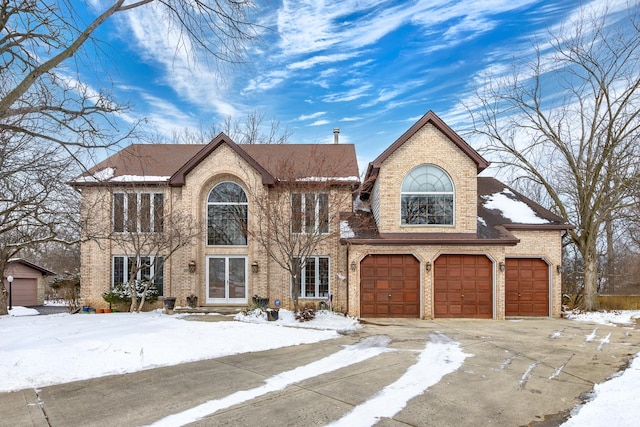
310	212
427	197
313	281
138	212
148	267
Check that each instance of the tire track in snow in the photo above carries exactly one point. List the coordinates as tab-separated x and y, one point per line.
440	357
604	341
560	368
364	349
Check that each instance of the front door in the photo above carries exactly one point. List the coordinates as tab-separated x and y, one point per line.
226	280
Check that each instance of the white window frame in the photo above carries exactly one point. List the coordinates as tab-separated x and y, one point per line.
451	193
153	227
316	213
302	278
125	269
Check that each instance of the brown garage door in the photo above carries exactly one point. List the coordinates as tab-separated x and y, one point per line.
25	292
390	286
463	286
526	287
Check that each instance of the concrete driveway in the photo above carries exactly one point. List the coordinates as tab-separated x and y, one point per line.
522	372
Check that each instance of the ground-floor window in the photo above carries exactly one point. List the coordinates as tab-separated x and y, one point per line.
150	268
314	278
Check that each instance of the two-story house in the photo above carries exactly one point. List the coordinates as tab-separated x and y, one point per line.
421	236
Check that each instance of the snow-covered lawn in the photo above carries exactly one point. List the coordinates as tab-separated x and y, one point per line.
36	351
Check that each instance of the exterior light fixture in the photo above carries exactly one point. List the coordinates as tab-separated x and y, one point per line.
353	266
427	266
502	265
255	267
192	266
560	269
10	280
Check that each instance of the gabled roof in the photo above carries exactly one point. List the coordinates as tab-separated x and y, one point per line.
500	209
430	117
178	178
163	164
31	265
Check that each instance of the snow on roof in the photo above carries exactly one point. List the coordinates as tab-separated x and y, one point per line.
109	175
345	230
327	178
511	208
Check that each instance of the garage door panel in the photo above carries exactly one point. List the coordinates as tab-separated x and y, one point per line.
463	286
527	287
25	292
396	289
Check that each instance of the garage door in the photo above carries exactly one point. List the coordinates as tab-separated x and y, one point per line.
526	287
463	286
25	292
390	286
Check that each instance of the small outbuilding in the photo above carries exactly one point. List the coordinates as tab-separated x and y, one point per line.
28	282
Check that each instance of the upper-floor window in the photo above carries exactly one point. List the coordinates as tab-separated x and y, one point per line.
148	268
138	212
427	196
310	212
227	215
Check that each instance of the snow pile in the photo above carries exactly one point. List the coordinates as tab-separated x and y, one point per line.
36	351
324	320
614	402
611	318
512	209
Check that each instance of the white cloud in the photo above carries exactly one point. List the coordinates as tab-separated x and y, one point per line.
319	123
349	95
165	45
350	119
311	116
319	59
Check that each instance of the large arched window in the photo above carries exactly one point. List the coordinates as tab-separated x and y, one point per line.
227	215
427	196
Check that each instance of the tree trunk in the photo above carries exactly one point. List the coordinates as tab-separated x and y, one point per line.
590	277
611	256
4	296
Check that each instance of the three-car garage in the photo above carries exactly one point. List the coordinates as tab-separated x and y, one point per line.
462	285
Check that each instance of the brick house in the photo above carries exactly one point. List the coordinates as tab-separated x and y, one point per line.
421	236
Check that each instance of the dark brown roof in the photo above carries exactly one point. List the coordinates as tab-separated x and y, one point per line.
430	117
488	186
492	226
162	163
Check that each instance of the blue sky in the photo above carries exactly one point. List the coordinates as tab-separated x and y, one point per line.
370	68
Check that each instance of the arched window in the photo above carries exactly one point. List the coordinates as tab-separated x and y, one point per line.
427	196
227	215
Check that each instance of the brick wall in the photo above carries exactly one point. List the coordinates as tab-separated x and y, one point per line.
428	143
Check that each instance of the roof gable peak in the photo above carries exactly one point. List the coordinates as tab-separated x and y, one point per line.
438	123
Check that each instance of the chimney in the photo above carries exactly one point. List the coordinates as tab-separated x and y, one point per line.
336	135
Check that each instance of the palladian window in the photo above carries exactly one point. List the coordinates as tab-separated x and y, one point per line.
427	197
227	215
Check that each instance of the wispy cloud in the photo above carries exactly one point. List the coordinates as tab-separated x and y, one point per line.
320	59
350	119
164	45
311	116
319	123
349	95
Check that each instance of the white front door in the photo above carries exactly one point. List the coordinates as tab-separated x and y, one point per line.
226	279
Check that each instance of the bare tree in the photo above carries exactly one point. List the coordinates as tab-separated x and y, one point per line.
569	121
146	233
296	217
50	119
250	130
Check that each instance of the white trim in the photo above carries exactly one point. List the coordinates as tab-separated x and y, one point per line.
226	299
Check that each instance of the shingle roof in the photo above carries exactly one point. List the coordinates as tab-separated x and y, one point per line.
162	163
492	227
